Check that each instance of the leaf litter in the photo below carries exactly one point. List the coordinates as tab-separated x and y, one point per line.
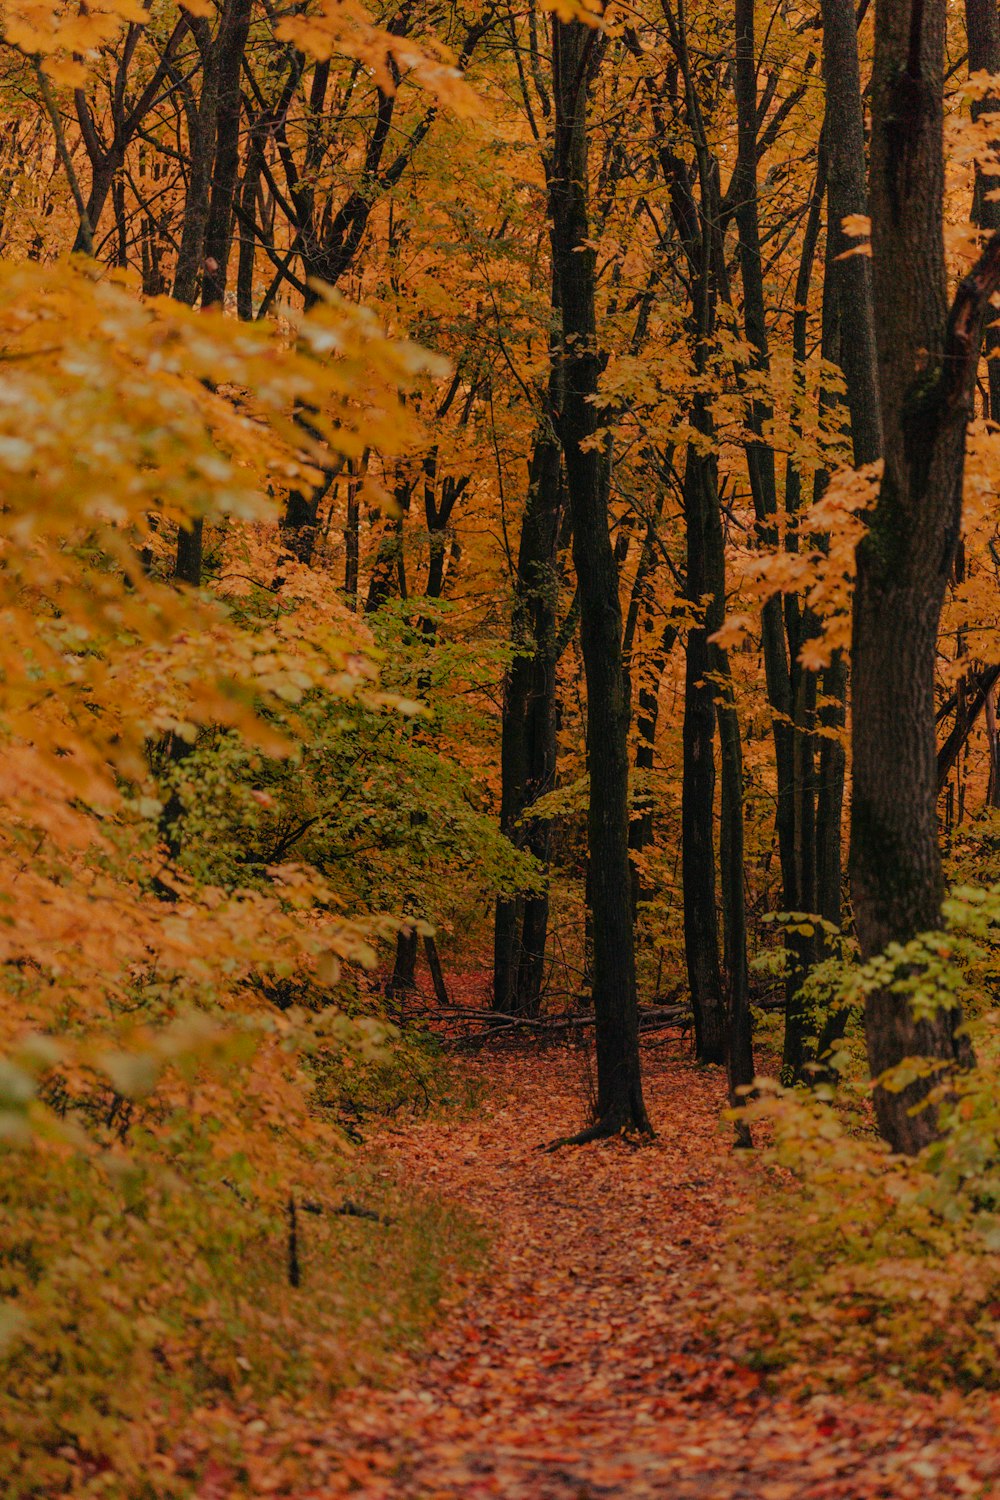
580	1362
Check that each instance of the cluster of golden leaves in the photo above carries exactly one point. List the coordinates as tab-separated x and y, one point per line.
120	418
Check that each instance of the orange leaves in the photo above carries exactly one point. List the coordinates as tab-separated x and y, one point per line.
117	416
823	574
582	1363
66	33
344	28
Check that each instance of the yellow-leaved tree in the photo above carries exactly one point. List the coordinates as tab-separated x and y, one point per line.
120	420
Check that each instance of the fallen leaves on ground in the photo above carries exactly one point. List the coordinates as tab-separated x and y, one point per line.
579	1365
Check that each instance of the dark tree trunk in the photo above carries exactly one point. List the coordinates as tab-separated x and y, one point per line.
404	970
642	827
528	736
190	542
388	567
928	362
352	532
847	193
971	699
832	716
201	116
781	627
127	120
644	673
230	47
620	1102
800	894
701	931
993	740
437	972
739	1036
982	24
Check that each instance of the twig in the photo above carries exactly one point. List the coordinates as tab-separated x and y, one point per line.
348	1210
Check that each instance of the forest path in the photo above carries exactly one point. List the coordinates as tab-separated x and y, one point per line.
578	1366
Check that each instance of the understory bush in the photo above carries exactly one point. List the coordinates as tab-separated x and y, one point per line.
168	1263
856	1265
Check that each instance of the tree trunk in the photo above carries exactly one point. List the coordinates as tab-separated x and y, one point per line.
190	543
230	47
927	369
620	1101
352	530
701	931
848	339
437	973
982	24
528	735
404	970
201	116
738	1034
847	193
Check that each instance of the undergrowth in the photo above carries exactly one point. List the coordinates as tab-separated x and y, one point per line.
152	1274
858	1266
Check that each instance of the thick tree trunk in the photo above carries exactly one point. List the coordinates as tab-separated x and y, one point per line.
620	1102
927	369
190	544
404	969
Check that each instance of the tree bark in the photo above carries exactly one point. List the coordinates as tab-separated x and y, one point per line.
928	362
528	735
620	1103
982	25
230	47
404	969
701	930
847	193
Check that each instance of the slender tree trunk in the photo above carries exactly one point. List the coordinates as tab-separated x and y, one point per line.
352	531
847	194
437	972
214	129
528	735
993	739
701	930
848	339
800	947
928	362
620	1101
982	24
641	829
201	116
230	47
832	716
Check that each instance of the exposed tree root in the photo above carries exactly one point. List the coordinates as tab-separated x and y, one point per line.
601	1130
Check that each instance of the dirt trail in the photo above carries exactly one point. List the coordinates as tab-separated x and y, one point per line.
579	1367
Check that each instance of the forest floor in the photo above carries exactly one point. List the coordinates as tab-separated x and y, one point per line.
579	1363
